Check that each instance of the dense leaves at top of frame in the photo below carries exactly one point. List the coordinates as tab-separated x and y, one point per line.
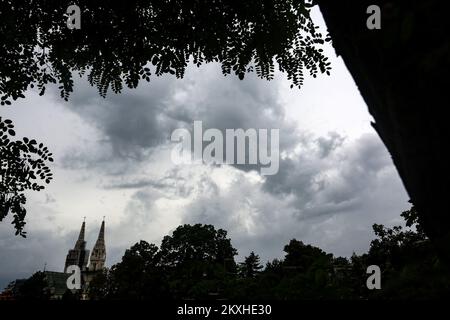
119	41
23	165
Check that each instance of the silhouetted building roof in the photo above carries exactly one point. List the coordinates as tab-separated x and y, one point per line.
57	283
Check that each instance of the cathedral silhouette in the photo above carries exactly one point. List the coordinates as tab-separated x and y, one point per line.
79	255
90	266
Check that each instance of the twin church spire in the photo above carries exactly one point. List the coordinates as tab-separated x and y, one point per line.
79	255
98	255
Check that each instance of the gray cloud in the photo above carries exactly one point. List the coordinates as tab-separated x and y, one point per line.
131	125
329	144
321	201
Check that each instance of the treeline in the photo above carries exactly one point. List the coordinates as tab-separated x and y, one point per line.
197	262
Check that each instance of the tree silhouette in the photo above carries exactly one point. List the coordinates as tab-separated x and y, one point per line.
301	256
137	276
100	286
34	288
250	267
411	268
190	243
118	41
22	164
198	259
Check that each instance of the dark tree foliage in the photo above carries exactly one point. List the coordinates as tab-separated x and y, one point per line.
23	166
137	276
251	266
197	242
34	288
412	268
194	262
396	244
99	286
198	260
413	219
301	256
71	296
119	39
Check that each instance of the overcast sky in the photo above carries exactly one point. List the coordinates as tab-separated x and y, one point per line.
112	158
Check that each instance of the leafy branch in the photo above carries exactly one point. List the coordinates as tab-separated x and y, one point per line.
23	166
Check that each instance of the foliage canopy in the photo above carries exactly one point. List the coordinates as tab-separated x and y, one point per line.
118	41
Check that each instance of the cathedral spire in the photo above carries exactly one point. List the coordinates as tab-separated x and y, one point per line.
81	243
82	231
101	234
78	255
98	256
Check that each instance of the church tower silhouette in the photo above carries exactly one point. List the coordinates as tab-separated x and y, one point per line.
78	255
98	255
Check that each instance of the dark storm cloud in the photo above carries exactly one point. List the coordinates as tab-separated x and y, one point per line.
130	123
133	123
329	144
324	201
171	183
333	183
